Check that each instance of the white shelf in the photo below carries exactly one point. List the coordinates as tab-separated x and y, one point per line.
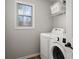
59	13
58	9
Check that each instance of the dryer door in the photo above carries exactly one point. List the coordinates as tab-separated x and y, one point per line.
57	51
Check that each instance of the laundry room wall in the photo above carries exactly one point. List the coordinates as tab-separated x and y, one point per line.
25	42
59	21
69	20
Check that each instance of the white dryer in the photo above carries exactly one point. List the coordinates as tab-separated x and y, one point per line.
44	41
44	44
59	48
44	38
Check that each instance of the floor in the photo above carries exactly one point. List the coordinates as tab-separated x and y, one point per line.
36	57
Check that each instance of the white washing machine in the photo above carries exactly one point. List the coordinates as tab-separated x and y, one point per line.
44	41
56	49
44	44
60	48
55	45
44	38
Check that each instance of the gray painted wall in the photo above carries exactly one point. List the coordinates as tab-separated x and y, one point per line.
21	43
69	21
59	21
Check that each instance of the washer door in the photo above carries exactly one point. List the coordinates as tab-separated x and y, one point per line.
57	53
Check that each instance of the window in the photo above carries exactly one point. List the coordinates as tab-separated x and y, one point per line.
25	15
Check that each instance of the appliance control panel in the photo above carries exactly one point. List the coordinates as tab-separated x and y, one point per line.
64	40
57	38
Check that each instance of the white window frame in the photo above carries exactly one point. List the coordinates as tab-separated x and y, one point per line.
33	16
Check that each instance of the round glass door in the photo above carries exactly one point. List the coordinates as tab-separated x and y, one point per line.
57	53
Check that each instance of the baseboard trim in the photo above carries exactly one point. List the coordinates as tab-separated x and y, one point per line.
32	55
36	54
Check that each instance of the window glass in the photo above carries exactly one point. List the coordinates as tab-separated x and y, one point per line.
19	20
24	9
24	16
20	9
24	21
29	10
27	21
